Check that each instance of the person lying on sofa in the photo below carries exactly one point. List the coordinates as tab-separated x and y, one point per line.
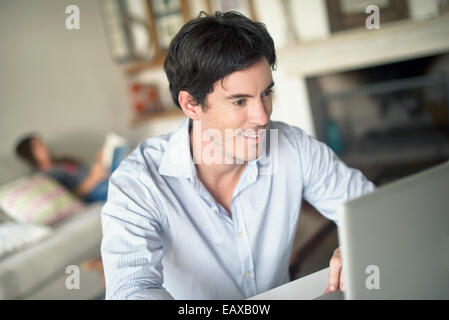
89	184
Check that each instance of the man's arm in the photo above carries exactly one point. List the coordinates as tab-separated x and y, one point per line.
328	183
132	239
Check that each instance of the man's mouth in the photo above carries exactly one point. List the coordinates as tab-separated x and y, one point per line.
255	135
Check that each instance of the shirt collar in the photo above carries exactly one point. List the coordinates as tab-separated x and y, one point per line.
177	159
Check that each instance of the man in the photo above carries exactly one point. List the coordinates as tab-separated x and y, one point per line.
210	210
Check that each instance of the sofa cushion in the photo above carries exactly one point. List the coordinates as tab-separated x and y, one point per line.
38	199
11	168
15	236
74	239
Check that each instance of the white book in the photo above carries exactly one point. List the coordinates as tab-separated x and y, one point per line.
112	142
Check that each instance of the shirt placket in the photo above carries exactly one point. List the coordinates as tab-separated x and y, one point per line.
209	200
248	276
246	261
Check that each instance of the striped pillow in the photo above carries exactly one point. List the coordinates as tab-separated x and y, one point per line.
38	199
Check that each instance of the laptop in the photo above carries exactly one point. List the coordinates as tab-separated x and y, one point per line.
395	241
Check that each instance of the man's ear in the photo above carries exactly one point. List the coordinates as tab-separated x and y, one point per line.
186	102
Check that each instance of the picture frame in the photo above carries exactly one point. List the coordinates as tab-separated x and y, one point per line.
140	31
168	16
350	14
245	7
128	30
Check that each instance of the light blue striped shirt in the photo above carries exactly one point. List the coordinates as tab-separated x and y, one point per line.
164	236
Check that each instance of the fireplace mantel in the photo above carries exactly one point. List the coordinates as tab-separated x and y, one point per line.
362	48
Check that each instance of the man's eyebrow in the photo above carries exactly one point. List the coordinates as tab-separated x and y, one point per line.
243	95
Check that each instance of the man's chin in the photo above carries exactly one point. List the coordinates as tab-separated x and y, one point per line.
248	153
251	156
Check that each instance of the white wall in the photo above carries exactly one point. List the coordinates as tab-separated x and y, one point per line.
60	83
291	100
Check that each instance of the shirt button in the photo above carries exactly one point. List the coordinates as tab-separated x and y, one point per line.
247	275
240	234
214	209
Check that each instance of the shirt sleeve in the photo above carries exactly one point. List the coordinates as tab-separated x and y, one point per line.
327	181
132	246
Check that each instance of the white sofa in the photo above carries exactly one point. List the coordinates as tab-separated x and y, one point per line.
39	270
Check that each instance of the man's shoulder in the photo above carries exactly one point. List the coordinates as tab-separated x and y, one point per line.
148	152
138	174
286	128
145	159
288	133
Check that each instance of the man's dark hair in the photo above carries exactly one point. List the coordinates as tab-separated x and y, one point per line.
210	47
24	149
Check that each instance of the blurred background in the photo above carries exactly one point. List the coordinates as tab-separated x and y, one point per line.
378	97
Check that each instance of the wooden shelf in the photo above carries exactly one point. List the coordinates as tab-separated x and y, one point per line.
157	115
361	48
134	68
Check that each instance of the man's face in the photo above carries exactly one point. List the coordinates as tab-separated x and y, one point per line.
239	108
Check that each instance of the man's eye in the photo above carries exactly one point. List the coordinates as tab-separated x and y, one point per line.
240	102
267	93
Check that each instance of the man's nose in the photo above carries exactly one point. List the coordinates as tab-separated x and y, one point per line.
258	114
